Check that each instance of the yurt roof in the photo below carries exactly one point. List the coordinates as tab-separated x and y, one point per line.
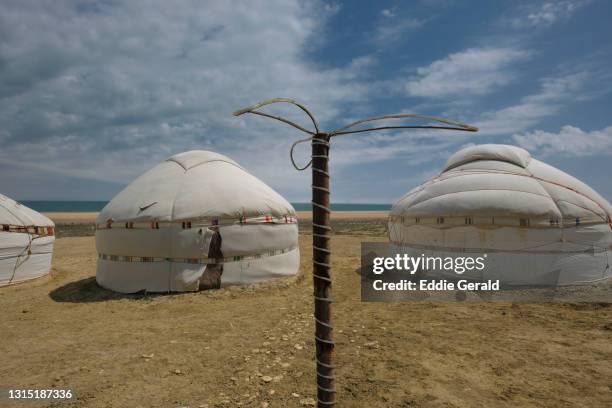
503	180
191	159
194	185
15	213
504	153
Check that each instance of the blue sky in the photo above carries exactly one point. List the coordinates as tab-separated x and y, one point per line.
92	94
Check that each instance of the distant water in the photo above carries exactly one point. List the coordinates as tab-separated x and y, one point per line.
95	206
345	207
65	206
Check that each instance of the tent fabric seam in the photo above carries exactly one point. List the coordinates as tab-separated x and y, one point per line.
537	179
487	159
484	189
186	169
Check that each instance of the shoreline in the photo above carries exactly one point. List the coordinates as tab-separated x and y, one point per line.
90	217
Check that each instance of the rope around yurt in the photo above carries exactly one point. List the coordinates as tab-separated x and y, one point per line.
321	229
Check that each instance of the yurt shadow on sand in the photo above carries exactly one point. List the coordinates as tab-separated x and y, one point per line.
87	290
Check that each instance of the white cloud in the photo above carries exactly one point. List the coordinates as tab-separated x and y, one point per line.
437	3
475	71
547	13
103	91
411	145
391	30
388	13
554	93
332	8
570	141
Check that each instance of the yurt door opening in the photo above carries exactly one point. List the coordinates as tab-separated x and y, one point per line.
321	229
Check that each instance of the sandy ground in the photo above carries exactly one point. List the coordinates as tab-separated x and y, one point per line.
82	217
248	347
72	217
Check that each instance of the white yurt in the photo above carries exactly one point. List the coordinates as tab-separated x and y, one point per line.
195	221
536	224
26	242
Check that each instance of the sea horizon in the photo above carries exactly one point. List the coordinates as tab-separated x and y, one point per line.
76	206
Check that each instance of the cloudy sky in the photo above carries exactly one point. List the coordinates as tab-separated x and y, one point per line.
94	93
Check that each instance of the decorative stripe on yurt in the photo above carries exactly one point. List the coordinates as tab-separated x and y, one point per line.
590	250
201	260
195	223
499	221
42	231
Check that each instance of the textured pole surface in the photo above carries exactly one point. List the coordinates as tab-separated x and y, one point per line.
321	231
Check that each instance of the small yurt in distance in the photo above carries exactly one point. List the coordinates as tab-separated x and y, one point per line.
26	242
537	224
195	221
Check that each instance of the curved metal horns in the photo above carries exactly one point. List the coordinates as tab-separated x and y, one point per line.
253	109
451	125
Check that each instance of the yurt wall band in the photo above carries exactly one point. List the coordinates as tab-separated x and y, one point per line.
195	221
537	224
26	242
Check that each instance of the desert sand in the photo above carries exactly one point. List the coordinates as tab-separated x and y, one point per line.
246	346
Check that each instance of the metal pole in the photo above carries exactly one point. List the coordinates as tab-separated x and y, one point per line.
321	229
321	255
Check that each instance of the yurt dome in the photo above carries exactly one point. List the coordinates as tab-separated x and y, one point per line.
26	242
195	221
537	224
